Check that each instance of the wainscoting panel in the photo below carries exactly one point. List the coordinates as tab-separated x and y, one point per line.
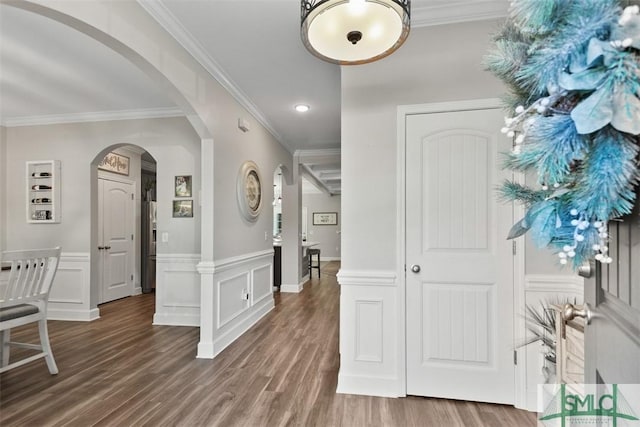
369	302
369	337
261	283
242	295
69	296
233	294
177	290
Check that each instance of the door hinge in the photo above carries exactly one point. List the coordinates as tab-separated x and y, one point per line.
131	196
515	357
515	247
132	277
132	237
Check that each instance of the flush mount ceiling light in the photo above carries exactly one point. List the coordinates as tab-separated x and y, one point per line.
301	108
350	32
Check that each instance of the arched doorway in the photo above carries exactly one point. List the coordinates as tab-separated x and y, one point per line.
122	249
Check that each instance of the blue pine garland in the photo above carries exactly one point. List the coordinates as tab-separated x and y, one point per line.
572	70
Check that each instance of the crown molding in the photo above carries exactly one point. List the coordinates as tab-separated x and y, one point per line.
170	23
457	11
98	116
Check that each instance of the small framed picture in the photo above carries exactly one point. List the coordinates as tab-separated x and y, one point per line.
183	208
183	186
325	218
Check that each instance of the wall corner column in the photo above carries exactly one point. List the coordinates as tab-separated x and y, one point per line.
206	266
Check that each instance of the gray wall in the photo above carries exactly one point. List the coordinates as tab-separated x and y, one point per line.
327	235
172	142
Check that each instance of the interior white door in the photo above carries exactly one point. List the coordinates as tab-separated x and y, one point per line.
460	302
115	222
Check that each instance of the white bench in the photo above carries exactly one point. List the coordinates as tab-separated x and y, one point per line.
23	299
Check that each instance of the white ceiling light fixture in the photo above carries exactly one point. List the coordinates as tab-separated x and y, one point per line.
351	32
302	108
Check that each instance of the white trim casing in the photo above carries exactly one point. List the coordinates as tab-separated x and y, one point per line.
236	293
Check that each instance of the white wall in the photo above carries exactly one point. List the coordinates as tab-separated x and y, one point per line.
327	235
436	64
3	188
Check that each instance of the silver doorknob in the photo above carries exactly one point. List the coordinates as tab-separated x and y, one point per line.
570	312
585	270
415	268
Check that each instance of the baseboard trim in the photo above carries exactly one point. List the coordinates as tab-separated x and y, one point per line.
295	289
368	386
164	319
291	289
73	315
329	258
205	350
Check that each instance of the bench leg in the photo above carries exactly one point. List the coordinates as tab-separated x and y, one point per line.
46	347
4	347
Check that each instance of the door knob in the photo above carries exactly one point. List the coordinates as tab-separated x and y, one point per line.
585	270
100	248
415	268
107	247
570	312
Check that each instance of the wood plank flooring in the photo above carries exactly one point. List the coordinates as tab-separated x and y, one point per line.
122	371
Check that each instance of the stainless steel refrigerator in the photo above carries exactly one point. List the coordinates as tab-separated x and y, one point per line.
148	268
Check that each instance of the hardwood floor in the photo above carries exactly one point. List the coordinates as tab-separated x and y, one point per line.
121	371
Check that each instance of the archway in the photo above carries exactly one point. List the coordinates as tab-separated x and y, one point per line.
167	64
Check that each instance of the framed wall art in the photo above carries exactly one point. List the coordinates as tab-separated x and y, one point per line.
249	191
325	218
183	186
116	163
183	208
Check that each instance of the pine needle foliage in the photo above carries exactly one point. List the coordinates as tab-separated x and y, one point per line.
572	73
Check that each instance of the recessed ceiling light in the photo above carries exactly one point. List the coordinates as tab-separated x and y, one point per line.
301	108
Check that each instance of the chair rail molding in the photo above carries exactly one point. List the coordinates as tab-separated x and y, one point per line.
367	278
554	283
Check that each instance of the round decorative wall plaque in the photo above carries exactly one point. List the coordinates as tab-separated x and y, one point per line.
249	190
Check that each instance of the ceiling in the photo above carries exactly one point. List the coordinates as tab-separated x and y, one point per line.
51	73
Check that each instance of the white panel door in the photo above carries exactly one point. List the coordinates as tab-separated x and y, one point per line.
116	227
460	304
